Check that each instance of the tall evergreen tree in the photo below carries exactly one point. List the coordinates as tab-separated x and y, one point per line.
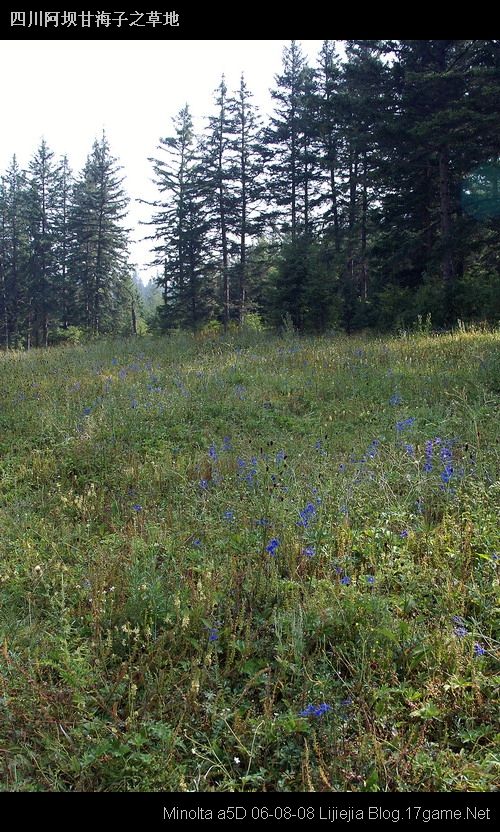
292	172
41	215
220	189
14	256
249	154
288	139
447	124
329	137
99	258
182	225
63	242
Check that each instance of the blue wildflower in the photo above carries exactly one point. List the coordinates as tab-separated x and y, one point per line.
322	709
404	533
405	423
213	634
309	551
479	650
196	541
395	399
280	456
273	545
204	485
310	710
370	579
229	515
226	444
447	474
137	507
346	580
212	452
460	632
316	710
306	515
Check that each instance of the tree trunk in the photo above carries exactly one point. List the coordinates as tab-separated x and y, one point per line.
445	210
134	320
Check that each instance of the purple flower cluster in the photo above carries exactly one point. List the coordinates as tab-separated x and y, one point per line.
273	545
316	710
405	423
306	515
248	470
213	634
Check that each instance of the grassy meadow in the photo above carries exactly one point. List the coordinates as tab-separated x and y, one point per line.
250	564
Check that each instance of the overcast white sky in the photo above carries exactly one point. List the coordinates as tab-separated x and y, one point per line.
68	91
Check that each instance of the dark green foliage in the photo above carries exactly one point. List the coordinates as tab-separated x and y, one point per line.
63	250
99	255
181	228
369	199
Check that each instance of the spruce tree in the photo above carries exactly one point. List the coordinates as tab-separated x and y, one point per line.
249	156
288	138
63	243
14	257
181	226
43	185
217	163
99	257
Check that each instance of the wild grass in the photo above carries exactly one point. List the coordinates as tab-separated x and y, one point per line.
250	564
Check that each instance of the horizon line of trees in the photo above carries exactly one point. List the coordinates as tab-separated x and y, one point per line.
64	267
368	198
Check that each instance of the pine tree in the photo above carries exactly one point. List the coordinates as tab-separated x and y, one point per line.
41	214
14	256
63	243
329	137
288	138
248	163
99	258
182	225
447	94
218	165
293	174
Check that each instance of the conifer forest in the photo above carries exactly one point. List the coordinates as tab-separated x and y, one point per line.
368	199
